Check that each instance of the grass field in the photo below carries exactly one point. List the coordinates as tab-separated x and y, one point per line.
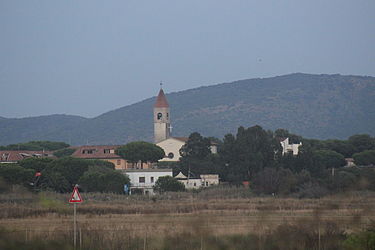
221	218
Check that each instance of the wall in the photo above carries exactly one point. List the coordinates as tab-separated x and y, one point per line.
147	174
173	146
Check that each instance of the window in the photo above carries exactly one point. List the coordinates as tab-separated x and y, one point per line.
159	116
88	151
206	183
152	179
107	151
170	155
195	184
142	179
4	157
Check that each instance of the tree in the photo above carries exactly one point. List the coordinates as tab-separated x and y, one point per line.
103	180
329	158
365	158
196	157
340	146
141	151
63	173
36	146
284	133
249	152
15	174
37	164
197	147
362	142
274	181
168	184
64	152
55	181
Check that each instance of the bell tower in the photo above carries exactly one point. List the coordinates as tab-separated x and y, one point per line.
161	118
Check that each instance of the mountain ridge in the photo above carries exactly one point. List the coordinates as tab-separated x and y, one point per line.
315	106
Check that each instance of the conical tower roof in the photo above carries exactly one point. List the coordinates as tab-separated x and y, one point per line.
161	100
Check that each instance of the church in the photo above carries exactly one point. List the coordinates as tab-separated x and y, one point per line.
162	130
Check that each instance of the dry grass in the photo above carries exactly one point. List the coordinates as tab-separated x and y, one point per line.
121	221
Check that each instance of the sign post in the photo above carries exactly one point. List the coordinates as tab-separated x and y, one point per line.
75	198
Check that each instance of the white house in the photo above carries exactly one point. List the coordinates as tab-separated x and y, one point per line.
143	180
289	148
205	180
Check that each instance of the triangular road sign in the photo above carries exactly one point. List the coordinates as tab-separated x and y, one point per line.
76	197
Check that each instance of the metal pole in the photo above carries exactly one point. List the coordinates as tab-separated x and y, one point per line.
75	225
319	236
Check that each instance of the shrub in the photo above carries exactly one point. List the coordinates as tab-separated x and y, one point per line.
274	180
168	183
103	181
361	241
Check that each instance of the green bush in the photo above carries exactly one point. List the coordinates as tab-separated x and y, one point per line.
361	241
103	181
168	184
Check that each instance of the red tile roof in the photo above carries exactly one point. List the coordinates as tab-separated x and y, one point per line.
161	100
96	152
15	156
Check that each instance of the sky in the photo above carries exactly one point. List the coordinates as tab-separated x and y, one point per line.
87	57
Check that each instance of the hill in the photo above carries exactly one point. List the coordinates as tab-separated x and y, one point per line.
314	106
50	127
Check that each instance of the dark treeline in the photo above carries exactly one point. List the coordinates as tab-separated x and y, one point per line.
254	155
62	174
36	146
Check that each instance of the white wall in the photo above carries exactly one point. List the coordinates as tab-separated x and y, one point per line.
290	147
173	146
134	177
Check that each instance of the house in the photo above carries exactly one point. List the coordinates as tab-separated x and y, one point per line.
162	131
143	180
289	148
205	180
106	153
8	156
350	162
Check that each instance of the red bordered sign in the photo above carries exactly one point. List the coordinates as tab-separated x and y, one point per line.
76	197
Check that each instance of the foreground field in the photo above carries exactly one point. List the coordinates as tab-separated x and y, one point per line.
228	218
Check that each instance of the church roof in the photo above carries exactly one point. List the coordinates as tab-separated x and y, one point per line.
180	176
161	100
183	139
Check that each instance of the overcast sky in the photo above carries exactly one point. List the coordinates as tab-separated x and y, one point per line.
87	57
